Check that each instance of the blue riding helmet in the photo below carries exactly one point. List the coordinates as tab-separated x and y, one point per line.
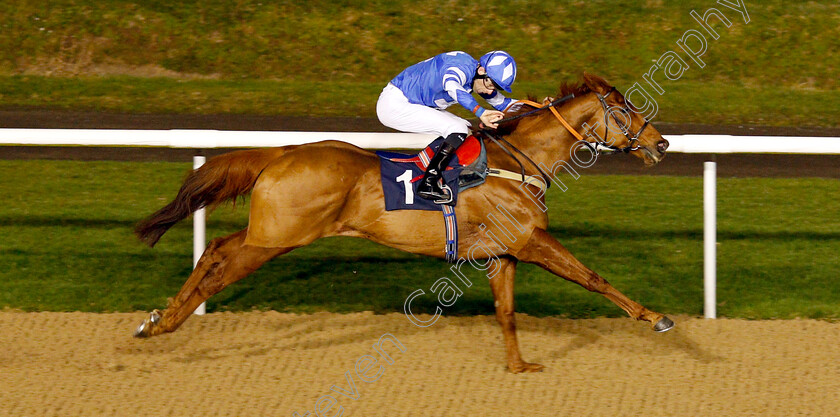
500	67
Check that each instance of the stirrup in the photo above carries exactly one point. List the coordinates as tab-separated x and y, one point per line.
438	192
448	192
435	196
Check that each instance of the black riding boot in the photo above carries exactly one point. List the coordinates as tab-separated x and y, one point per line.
430	186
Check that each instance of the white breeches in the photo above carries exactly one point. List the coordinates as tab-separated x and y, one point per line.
396	112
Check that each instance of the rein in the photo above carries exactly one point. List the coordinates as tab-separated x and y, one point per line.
539	108
601	145
498	139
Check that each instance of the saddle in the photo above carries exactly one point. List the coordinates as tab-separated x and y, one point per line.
400	174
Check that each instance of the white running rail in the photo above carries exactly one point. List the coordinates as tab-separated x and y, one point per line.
203	139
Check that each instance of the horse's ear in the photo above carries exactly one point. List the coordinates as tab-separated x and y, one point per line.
596	83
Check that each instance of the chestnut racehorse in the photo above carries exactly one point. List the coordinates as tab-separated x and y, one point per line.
302	193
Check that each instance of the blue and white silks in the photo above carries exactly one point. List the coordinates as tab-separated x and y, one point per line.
444	80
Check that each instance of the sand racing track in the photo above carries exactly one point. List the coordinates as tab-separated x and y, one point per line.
273	364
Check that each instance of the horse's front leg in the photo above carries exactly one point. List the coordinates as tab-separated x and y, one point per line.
502	286
543	250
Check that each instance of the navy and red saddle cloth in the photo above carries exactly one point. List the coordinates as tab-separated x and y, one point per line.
401	174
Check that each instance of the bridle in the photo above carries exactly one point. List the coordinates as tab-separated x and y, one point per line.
601	145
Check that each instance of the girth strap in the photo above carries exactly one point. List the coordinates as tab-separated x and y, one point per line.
510	175
499	140
451	224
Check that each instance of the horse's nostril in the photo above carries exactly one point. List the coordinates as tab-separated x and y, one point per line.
662	146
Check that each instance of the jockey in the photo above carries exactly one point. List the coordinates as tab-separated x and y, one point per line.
413	102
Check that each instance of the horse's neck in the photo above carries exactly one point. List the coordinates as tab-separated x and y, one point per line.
544	139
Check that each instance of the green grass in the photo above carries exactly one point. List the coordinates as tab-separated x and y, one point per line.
687	102
66	245
333	57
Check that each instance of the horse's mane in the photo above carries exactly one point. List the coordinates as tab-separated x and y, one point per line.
583	87
586	85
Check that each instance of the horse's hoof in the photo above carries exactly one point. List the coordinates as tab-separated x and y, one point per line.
145	328
142	330
525	367
663	325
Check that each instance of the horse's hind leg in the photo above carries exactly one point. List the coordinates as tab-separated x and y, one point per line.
502	286
225	261
543	250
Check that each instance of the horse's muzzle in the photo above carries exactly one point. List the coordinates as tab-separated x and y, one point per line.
654	154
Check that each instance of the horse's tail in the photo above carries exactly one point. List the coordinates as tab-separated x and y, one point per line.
223	178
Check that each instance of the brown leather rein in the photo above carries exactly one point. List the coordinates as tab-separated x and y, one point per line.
597	147
538	108
551	105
